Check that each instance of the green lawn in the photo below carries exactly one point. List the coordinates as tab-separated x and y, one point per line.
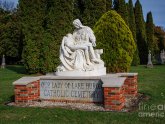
151	82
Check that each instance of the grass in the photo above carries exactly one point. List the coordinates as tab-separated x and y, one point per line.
151	82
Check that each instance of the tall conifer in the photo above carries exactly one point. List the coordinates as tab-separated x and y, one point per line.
93	10
132	26
160	35
108	5
78	9
44	23
10	44
150	33
141	33
32	14
58	22
121	8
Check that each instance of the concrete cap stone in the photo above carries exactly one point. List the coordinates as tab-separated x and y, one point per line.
113	81
127	74
26	80
51	77
70	77
110	80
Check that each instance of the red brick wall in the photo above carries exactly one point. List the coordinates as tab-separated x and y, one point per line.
114	98
27	93
131	86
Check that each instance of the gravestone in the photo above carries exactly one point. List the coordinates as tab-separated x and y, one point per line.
3	62
162	56
149	64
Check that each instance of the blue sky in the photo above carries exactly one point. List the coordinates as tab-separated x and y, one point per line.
16	1
157	7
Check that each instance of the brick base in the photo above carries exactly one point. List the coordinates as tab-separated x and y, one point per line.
131	86
114	98
27	93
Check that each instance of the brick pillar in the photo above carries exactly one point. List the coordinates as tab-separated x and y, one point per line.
131	86
114	98
27	93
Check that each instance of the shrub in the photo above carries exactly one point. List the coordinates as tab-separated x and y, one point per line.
115	37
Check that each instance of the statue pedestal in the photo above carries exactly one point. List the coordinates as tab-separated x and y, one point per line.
111	90
95	72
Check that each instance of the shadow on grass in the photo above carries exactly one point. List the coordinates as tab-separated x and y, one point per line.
17	68
12	98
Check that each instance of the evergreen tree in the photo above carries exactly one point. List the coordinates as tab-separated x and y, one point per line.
10	44
131	18
93	10
3	26
32	14
115	37
14	45
152	45
121	8
89	11
108	5
132	26
160	35
141	33
58	23
44	23
78	9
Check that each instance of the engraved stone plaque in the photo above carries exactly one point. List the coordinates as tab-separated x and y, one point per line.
76	90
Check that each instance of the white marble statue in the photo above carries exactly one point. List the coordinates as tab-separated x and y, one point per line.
78	58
